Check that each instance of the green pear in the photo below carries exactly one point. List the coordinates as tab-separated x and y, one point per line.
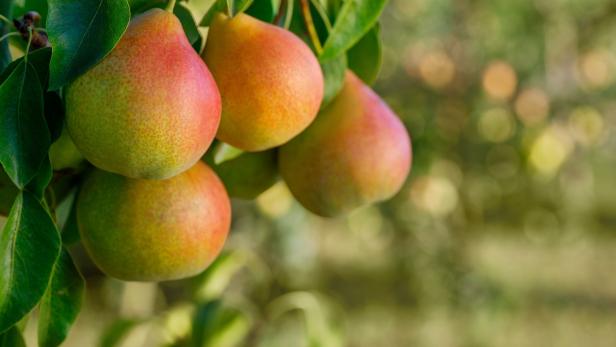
153	230
270	82
63	153
150	109
356	152
247	175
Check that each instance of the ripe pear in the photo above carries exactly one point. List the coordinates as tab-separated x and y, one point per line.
247	175
270	82
153	230
356	152
63	153
150	109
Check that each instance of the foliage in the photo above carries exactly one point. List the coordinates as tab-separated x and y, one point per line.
38	269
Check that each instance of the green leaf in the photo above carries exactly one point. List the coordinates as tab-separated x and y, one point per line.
224	152
8	193
215	325
320	21
287	17
334	69
30	245
117	332
138	6
82	32
54	109
264	10
354	20
333	73
39	59
333	7
365	58
218	6
228	6
70	231
41	180
24	136
54	114
189	25
61	303
204	319
320	316
239	6
5	54
12	338
215	280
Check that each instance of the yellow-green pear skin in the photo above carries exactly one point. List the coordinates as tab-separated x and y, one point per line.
356	152
153	230
247	175
270	82
150	109
63	153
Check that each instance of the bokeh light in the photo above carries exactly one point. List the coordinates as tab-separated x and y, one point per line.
496	125
500	80
532	106
436	69
551	149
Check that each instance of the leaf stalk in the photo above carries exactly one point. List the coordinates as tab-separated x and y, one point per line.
170	6
312	31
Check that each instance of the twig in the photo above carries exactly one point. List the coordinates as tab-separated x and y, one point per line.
6	36
281	11
312	31
5	20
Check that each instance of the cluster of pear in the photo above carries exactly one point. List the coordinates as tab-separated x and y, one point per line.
155	208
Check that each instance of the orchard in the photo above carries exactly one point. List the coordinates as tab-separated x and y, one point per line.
128	126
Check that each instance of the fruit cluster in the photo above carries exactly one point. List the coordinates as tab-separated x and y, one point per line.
155	208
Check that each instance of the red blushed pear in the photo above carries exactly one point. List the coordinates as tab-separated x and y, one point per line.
270	82
150	109
356	152
153	230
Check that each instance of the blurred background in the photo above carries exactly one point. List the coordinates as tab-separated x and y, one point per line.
504	234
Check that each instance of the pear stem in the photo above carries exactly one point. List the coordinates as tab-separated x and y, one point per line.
29	44
170	6
6	36
6	20
312	31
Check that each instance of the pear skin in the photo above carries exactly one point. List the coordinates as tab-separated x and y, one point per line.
150	109
355	153
270	82
153	230
63	153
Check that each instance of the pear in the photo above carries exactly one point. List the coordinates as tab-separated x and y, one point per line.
63	153
270	82
356	152
247	175
150	109
153	230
